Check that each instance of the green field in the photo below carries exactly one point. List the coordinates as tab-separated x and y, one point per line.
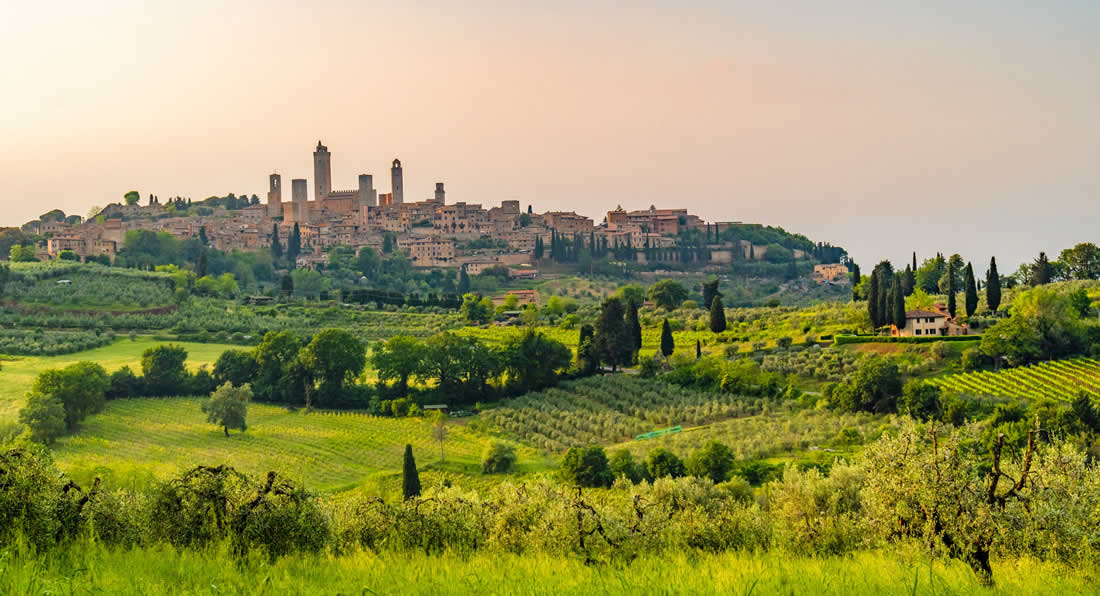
17	373
1056	379
135	440
89	569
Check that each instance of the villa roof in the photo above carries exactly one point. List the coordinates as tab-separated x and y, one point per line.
920	314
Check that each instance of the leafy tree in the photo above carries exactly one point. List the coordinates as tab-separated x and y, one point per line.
368	262
631	293
873	387
228	407
286	285
388	242
236	367
476	309
929	274
499	457
410	479
622	464
21	254
81	388
971	291
993	286
587	467
398	359
132	197
662	462
1044	325
717	315
668	293
714	460
533	360
667	345
44	415
336	358
124	384
1080	301
274	357
921	400
164	369
1081	262
588	359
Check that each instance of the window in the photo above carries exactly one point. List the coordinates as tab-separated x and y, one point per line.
918	332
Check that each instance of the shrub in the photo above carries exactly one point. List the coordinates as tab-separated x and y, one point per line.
586	467
662	462
498	458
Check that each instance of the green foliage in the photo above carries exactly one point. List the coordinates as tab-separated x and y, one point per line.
662	462
81	388
228	407
714	461
499	458
398	360
1044	325
667	293
587	467
236	367
921	400
622	465
533	361
993	286
44	415
612	343
476	309
668	346
717	322
164	370
334	358
874	387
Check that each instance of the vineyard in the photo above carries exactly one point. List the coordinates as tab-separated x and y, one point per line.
89	289
608	409
1056	379
135	441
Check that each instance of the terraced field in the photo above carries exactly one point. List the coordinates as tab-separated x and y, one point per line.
17	373
1057	379
134	441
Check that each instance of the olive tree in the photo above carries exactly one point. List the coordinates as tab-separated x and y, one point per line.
228	406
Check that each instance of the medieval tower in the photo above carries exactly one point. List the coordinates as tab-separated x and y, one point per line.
275	196
368	197
322	172
440	194
299	203
398	188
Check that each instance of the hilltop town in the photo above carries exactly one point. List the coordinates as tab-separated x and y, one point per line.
432	232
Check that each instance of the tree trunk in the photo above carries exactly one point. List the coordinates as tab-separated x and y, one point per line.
979	562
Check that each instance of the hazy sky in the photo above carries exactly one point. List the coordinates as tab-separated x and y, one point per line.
884	127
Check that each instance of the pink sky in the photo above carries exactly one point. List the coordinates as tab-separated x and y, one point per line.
884	129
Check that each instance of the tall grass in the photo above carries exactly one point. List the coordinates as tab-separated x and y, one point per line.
90	568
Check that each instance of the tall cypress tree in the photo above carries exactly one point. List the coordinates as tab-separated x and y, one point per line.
587	359
613	342
667	345
276	246
897	307
908	281
855	281
698	349
951	289
710	290
992	286
873	302
463	282
717	315
200	269
410	484
634	326
914	261
971	291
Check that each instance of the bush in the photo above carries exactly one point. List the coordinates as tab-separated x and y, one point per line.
586	467
662	462
498	458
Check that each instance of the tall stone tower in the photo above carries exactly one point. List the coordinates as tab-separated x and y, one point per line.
368	197
322	172
299	201
274	196
397	186
440	194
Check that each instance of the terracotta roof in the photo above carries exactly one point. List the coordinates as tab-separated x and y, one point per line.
920	314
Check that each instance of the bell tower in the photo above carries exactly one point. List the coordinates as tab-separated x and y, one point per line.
322	172
397	187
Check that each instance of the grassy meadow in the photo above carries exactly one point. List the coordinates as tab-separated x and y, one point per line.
89	569
17	373
136	440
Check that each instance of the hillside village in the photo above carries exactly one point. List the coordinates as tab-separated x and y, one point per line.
432	232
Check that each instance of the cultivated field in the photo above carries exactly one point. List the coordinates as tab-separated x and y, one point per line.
135	440
1057	379
17	373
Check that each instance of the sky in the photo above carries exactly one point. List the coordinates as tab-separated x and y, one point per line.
883	127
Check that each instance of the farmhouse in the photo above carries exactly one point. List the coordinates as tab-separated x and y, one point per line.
924	323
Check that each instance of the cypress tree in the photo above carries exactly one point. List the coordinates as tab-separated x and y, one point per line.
613	342
634	326
667	345
914	261
410	478
971	291
993	286
951	290
897	310
463	282
872	301
908	281
717	315
587	360
202	236
855	282
1042	271
710	290
200	269
276	246
698	349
